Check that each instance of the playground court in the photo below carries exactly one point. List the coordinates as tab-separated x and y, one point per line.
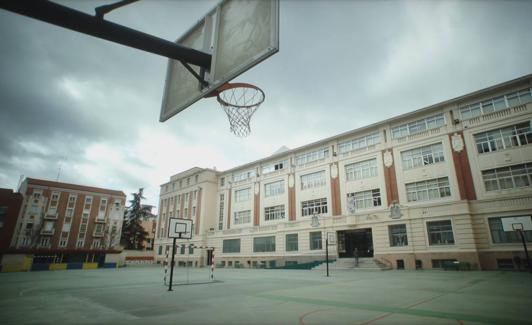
136	295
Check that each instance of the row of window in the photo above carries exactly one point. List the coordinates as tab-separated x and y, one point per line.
439	233
516	176
173	185
267	243
496	104
174	200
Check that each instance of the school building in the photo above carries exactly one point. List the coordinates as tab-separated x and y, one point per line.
415	191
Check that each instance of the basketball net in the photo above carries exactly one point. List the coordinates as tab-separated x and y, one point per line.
240	101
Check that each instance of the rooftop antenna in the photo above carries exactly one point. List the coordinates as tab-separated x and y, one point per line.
58	172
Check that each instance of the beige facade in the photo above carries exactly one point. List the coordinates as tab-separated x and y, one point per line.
424	188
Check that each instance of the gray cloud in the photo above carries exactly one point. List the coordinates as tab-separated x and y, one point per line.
92	106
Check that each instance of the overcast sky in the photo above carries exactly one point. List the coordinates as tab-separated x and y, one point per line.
90	108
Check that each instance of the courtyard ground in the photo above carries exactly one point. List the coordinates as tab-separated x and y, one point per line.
136	295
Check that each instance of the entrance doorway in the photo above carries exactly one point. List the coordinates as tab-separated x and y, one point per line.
361	239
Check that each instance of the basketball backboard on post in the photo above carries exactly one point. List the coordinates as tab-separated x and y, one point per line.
523	223
237	34
180	228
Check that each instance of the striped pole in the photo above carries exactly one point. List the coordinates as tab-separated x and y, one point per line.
212	266
165	266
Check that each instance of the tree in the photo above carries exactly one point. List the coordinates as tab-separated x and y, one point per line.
133	235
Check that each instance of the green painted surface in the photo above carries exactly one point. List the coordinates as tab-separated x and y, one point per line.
243	296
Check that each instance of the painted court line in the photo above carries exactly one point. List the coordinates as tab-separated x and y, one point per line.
397	310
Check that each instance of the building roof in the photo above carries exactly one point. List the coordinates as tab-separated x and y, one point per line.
42	182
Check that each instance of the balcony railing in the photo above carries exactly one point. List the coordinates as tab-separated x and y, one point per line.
100	220
50	215
47	232
97	234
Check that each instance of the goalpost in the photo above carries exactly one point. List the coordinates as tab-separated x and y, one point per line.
180	228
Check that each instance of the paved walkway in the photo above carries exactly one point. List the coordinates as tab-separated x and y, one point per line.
136	295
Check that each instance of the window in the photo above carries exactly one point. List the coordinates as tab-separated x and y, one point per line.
71	201
221	213
36	195
194	194
496	104
45	242
315	240
190	249
54	200
361	170
231	246
359	143
264	244
196	179
103	205
418	126
516	176
312	207
188	181
398	235
240	176
193	211
499	236
291	243
160	251
185	213
440	264
242	217
96	243
504	138
98	229
182	249
222	181
186	197
274	167
313	180
440	232
274	213
80	243
88	203
428	190
423	156
273	189
243	195
312	156
63	242
365	199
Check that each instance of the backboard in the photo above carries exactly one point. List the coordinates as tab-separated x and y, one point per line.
180	228
238	34
513	223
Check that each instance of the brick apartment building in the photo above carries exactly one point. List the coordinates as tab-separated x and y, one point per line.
62	223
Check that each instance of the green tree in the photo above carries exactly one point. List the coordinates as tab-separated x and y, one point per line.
133	235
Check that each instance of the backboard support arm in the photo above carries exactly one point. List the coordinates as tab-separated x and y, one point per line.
62	16
102	10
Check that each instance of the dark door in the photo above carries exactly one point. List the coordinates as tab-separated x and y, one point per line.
361	239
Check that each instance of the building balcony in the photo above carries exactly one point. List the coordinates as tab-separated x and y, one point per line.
50	216
98	234
99	220
47	232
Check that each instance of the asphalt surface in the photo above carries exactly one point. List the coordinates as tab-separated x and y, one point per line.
137	295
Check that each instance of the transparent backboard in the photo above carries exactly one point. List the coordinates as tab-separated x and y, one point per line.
238	34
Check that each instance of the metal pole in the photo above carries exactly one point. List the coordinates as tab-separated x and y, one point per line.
526	250
66	17
172	266
327	253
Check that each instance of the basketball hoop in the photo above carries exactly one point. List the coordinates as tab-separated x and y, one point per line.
240	101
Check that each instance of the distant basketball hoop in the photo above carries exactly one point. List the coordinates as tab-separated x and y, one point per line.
240	101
